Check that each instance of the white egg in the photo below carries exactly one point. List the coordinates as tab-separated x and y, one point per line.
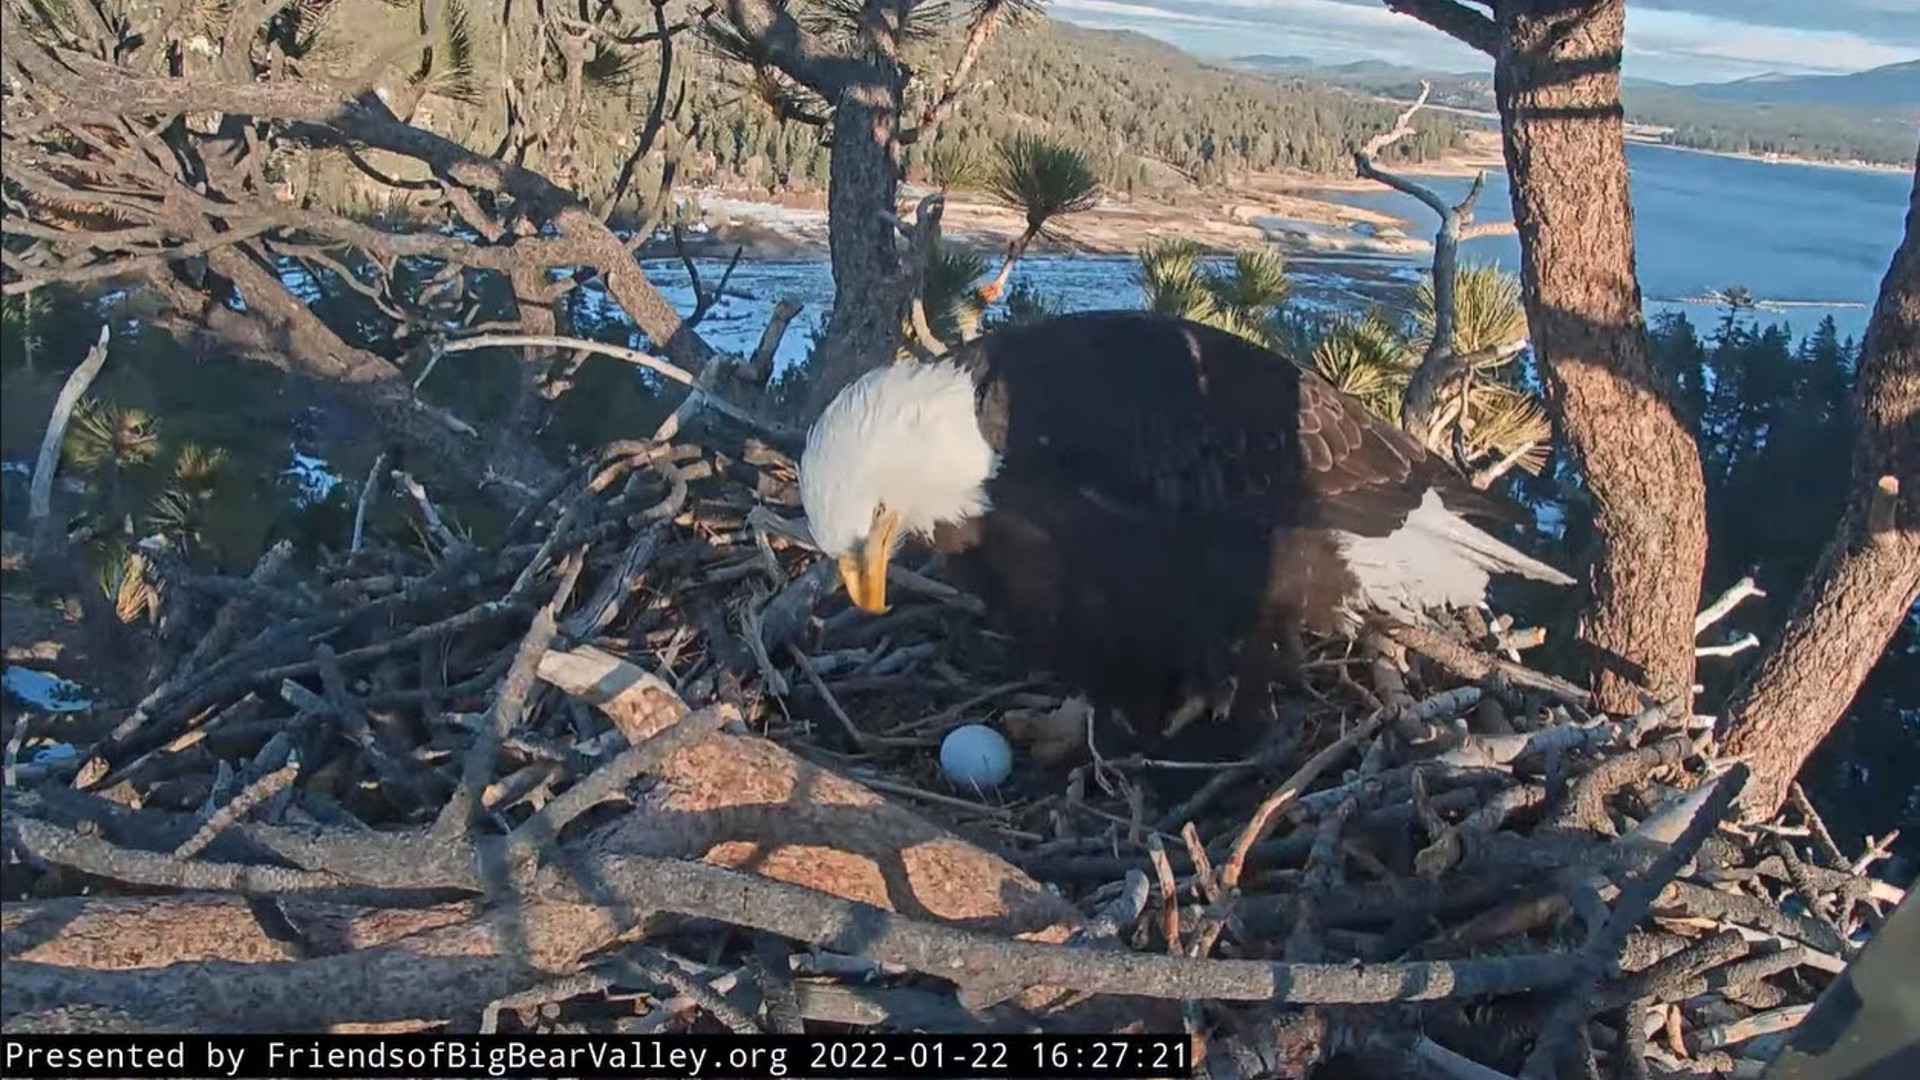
976	756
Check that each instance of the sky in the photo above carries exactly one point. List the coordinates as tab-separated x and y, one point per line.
1679	41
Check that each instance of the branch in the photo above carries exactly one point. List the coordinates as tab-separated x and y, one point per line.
1731	648
1484	478
1454	19
1868	577
1441	365
40	493
657	114
620	352
923	241
1714	612
329	116
797	53
634	885
127	263
1402	127
984	26
759	367
1882	506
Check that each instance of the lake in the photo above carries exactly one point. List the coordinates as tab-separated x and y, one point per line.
1806	241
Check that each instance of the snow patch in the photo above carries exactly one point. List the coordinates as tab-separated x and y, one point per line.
313	480
44	691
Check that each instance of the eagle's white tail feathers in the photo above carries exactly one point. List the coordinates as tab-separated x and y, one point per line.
1436	560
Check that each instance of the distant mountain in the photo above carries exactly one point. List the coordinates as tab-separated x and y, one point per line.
1465	90
1270	61
1892	85
1867	115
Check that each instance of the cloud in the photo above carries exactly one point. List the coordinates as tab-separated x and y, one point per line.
1146	13
1676	40
1705	47
1335	30
1884	22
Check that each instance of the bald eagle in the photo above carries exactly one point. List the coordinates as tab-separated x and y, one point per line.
1154	508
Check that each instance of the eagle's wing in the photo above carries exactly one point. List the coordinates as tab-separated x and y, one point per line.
1368	475
1149	415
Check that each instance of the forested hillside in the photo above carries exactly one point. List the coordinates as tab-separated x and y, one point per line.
1879	134
1126	96
1148	115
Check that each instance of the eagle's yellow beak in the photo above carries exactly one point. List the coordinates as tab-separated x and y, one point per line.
865	569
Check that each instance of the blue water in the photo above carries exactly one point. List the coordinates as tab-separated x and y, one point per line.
1805	241
1793	235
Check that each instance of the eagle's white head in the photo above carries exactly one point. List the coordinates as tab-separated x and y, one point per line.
896	453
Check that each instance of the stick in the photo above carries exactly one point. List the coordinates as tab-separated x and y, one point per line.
1785	1018
508	704
1824	845
605	782
363	502
1262	822
650	967
1602	950
1454	1065
449	543
1169	893
251	796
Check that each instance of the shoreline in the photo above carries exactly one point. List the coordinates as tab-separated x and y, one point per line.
1777	159
1293	212
1300	215
1277	212
1646	134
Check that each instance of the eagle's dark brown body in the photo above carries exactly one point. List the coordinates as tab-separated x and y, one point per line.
1174	504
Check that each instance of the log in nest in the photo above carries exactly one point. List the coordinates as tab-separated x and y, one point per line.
633	769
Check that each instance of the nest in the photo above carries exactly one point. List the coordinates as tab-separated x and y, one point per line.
636	769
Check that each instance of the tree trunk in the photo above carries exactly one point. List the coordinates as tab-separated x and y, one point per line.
538	366
1869	576
1557	82
863	185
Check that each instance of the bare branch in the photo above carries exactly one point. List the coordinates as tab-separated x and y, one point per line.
986	22
1440	366
618	352
1736	592
1454	19
1731	648
1485	478
40	492
759	367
